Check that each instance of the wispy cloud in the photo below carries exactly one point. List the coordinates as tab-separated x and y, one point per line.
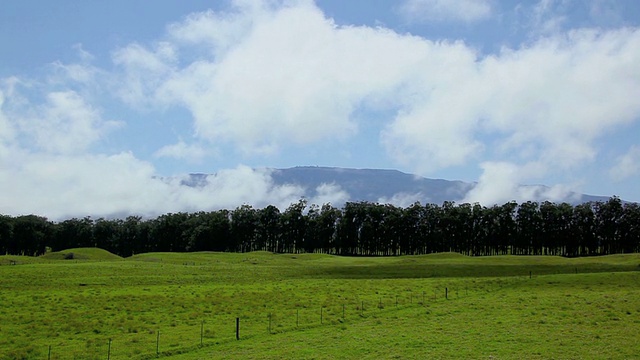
182	150
446	10
627	165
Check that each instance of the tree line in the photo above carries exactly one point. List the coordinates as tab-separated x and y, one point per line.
358	228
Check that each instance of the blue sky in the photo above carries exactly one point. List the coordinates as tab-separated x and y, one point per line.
101	101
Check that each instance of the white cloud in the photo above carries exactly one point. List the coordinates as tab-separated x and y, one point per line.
627	165
544	102
144	71
7	131
402	199
65	124
547	17
182	150
547	102
61	187
310	77
501	182
446	10
49	165
330	194
266	76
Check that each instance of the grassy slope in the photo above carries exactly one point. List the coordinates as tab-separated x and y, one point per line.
494	308
93	254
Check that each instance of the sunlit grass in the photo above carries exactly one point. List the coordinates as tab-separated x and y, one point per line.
320	306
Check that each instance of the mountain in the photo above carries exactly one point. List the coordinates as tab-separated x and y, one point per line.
388	186
374	185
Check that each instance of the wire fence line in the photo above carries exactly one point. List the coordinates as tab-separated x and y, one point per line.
226	328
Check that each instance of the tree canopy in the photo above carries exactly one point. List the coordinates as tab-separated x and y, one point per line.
359	228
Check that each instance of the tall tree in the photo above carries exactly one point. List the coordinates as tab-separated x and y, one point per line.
293	227
244	225
6	233
269	232
608	218
30	234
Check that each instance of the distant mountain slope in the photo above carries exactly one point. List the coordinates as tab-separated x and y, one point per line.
374	185
385	186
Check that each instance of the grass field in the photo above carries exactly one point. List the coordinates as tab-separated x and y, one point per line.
96	305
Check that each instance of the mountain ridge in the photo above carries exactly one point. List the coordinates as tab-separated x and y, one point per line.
386	185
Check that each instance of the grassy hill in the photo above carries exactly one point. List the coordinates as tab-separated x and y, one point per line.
318	306
93	254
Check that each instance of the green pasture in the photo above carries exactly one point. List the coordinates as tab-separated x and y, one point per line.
95	305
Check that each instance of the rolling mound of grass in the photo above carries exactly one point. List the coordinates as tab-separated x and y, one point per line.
94	254
316	305
18	260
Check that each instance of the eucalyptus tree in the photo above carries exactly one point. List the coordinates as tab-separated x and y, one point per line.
31	234
72	233
106	233
608	216
583	224
269	232
293	225
6	233
168	232
327	229
348	231
244	226
411	234
630	228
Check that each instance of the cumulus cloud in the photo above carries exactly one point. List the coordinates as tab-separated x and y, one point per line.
310	78
330	194
446	10
60	187
547	100
50	167
65	123
268	75
501	182
627	165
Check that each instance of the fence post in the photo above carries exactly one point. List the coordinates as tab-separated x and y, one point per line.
320	315
158	344
297	317
362	308
49	356
108	351
446	293
237	328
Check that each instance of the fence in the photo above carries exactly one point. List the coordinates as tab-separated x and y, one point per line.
226	328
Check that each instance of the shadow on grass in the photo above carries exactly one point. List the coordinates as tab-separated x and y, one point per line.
401	271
